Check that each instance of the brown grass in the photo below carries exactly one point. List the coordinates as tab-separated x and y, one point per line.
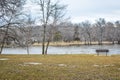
70	43
60	67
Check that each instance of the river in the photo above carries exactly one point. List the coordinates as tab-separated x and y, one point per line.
83	49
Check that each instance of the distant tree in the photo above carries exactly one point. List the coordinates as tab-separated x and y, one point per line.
76	34
117	23
100	24
57	36
57	16
67	31
87	31
110	32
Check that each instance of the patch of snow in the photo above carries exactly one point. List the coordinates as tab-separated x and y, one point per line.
32	63
119	69
95	65
2	59
108	65
62	65
112	65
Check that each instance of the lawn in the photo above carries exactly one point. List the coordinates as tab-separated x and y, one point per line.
59	67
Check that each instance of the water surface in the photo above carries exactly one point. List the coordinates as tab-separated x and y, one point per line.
83	49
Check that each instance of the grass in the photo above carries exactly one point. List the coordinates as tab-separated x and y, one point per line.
60	67
70	43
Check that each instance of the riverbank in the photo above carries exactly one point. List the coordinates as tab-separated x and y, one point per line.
72	43
59	67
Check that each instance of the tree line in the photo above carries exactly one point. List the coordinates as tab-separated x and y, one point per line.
17	28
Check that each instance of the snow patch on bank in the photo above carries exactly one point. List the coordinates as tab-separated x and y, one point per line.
3	59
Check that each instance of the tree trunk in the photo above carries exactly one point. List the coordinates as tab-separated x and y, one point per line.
47	47
43	42
28	52
2	46
118	42
90	40
3	42
85	42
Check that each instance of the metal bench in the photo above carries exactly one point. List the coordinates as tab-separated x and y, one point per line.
102	50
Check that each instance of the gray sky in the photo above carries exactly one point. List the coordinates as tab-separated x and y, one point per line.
81	10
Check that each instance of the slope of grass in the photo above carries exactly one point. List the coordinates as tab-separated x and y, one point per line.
59	67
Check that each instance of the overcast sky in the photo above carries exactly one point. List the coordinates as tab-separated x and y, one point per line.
81	10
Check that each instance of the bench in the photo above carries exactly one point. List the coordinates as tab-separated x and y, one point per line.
102	50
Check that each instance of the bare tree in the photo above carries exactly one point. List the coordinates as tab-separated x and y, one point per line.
9	12
87	31
30	25
27	32
48	9
67	31
117	23
101	27
110	32
57	15
76	34
45	9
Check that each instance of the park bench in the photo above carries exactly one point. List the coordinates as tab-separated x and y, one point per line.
102	50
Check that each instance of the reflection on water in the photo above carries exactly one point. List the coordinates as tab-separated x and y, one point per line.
83	49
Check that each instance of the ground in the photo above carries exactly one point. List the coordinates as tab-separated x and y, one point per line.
59	67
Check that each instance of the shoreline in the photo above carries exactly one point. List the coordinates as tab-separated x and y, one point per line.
63	44
75	43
